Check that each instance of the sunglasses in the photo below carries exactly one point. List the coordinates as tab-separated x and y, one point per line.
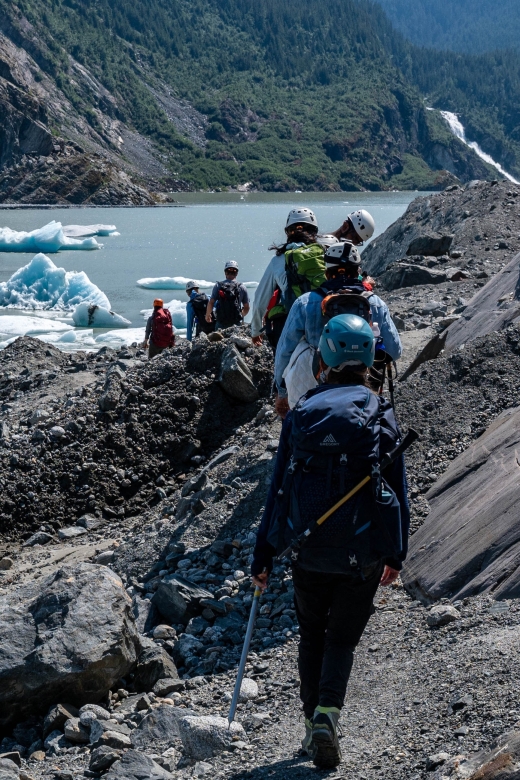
231	271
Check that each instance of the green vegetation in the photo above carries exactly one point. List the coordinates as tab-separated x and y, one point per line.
470	26
322	95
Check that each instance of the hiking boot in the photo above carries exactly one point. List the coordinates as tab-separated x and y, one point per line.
325	737
308	745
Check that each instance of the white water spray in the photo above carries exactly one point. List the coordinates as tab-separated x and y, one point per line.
457	129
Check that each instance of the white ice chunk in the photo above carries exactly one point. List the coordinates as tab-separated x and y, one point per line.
82	231
42	285
11	325
118	338
49	238
178	283
177	310
88	315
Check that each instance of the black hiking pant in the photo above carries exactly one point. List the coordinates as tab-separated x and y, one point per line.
333	611
273	330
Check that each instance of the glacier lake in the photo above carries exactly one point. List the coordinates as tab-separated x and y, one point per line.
192	240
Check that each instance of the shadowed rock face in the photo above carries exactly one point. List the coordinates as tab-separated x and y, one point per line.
71	635
470	542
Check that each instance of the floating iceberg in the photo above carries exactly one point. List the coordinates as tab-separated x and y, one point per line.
49	238
82	231
89	315
25	325
177	310
117	338
178	283
42	285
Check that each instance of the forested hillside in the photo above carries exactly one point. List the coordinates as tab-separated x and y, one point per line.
471	26
214	93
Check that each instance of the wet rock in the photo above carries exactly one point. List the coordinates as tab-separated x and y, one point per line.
442	614
153	664
178	599
205	736
71	631
236	378
136	766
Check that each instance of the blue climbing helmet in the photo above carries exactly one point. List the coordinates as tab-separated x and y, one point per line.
347	340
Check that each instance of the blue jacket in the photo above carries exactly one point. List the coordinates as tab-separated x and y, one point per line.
395	476
306	320
190	316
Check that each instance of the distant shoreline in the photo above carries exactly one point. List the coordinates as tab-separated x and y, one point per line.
14	206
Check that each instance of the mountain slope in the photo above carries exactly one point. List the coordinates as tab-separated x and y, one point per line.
470	26
213	93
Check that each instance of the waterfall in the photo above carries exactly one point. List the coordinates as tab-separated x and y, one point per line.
457	129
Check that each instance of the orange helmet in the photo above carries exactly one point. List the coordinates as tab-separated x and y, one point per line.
158	302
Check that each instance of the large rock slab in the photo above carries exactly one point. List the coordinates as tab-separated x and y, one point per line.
430	245
493	308
502	762
136	766
470	541
69	636
235	377
409	275
178	599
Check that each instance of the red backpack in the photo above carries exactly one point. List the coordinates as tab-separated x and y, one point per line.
162	329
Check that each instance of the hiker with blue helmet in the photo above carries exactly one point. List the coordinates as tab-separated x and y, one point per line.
306	320
332	440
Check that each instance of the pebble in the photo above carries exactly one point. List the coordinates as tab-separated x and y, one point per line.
442	614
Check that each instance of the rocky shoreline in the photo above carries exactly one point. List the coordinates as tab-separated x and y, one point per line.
130	494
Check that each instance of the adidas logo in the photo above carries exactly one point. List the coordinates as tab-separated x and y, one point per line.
329	440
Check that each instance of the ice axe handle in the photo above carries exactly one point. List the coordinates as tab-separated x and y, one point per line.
408	440
245	651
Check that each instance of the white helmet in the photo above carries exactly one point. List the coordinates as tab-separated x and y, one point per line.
304	216
231	264
191	286
363	223
326	240
344	252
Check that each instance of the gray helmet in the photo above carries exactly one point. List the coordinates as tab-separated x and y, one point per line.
326	240
231	264
303	216
341	253
191	286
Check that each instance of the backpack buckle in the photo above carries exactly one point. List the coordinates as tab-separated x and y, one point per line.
343	460
292	466
352	560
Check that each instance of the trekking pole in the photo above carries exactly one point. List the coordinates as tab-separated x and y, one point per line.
243	657
293	550
391	383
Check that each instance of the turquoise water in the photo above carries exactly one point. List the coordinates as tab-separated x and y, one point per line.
193	241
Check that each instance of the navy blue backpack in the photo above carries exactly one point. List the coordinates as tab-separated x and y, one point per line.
334	443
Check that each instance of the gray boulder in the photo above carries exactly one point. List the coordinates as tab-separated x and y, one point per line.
235	377
109	398
69	635
8	770
204	736
160	726
136	766
153	664
470	541
409	275
432	246
178	599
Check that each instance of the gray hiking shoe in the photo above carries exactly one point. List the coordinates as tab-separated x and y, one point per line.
325	737
308	745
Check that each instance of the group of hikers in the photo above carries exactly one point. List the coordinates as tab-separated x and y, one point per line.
337	507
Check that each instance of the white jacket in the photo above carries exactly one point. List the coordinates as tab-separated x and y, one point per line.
274	276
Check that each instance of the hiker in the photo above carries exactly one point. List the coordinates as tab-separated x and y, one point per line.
301	229
159	330
306	319
333	439
230	299
196	312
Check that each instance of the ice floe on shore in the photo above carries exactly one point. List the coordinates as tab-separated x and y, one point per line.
42	285
89	315
178	283
49	238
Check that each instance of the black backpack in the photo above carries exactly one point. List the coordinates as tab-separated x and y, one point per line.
229	310
200	303
334	445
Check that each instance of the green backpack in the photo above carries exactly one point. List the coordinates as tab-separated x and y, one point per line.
305	269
